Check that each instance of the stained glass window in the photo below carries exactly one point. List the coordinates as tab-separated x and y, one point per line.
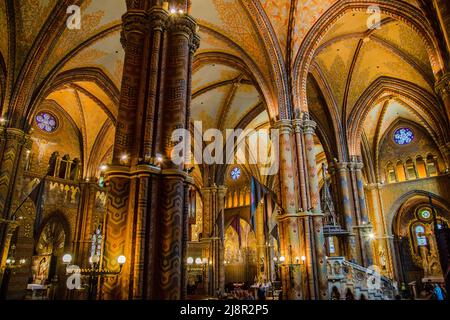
425	214
46	122
403	136
235	173
420	236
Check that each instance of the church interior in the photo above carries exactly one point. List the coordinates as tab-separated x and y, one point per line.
93	207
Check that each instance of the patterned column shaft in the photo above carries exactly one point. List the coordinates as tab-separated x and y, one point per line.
287	167
301	165
382	250
169	270
291	274
158	19
208	221
13	141
367	245
185	239
181	35
260	243
309	127
317	218
134	38
11	166
342	171
310	254
141	242
119	219
116	237
221	207
152	236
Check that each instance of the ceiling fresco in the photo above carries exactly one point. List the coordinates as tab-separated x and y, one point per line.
348	60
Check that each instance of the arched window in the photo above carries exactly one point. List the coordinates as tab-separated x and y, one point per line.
421	167
390	173
411	170
230	200
432	166
401	175
247	198
241	198
235	199
421	238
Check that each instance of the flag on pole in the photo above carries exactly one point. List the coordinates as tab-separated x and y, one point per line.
236	224
273	227
257	193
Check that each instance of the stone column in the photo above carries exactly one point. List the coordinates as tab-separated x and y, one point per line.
146	210
122	192
443	90
291	240
364	221
221	193
344	194
13	146
309	127
12	141
84	227
181	34
260	243
306	216
213	233
381	247
207	224
287	167
185	238
298	127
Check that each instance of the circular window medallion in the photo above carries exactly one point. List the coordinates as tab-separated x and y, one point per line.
235	173
403	136
424	214
46	122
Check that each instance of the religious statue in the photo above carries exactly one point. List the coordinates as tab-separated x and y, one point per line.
327	199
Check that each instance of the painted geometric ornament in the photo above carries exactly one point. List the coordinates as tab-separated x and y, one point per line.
46	122
403	136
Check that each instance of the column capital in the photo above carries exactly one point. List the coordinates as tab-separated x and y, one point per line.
195	43
442	86
356	165
183	24
298	125
285	126
14	134
372	186
222	190
340	166
158	18
135	21
309	126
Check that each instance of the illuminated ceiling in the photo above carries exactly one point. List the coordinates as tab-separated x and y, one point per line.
257	37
